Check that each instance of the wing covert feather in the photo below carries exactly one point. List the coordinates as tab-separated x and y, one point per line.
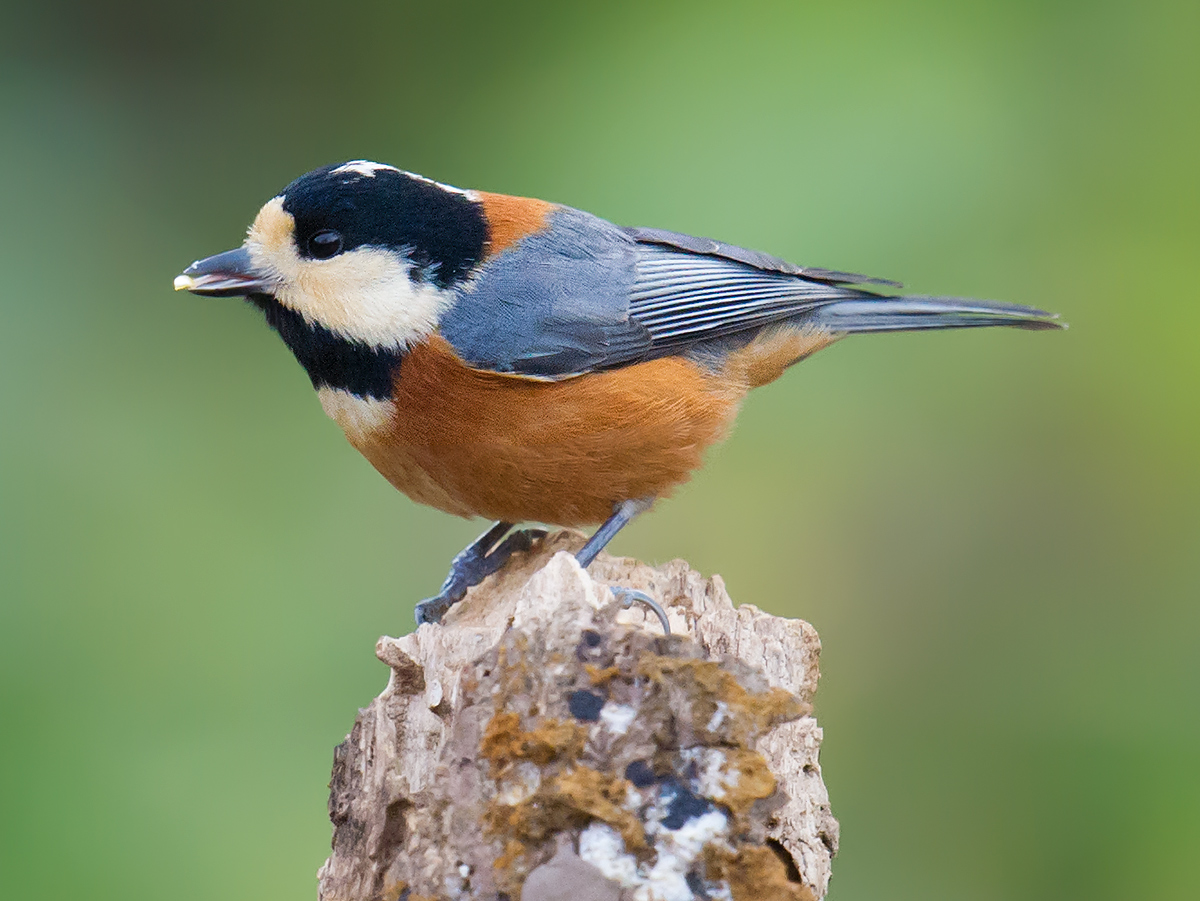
555	304
583	294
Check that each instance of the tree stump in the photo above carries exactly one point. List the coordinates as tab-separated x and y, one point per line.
545	743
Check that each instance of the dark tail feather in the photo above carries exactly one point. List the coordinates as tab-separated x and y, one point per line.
904	314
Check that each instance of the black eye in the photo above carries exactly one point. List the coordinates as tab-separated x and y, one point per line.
325	244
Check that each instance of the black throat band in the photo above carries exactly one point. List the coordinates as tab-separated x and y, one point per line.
329	359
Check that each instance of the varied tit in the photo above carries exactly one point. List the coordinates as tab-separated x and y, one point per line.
524	361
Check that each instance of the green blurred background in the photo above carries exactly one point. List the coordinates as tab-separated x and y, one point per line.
996	533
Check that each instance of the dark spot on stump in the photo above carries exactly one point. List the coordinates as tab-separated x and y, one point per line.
585	705
682	805
640	774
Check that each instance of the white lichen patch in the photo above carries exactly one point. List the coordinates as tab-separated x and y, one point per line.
677	852
711	779
718	717
602	847
618	717
519	783
633	799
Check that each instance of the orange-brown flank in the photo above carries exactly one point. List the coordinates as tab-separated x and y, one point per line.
478	443
509	448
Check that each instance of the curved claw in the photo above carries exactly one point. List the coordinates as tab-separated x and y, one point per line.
629	596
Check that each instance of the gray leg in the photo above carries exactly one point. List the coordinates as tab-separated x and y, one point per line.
477	561
622	515
488	553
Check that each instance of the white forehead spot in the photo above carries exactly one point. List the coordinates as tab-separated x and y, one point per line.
365	168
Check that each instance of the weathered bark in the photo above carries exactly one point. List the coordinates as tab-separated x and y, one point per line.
544	743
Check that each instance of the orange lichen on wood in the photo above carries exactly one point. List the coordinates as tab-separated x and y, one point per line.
707	685
754	874
568	801
601	676
505	742
748	780
601	797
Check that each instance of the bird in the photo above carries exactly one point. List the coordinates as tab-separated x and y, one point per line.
521	360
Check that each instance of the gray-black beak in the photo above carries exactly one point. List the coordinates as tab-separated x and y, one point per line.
229	274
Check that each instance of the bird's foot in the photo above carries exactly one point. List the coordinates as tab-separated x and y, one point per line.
474	564
630	596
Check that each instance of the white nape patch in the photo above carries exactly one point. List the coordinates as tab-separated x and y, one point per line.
363	167
618	717
365	294
361	418
368	169
470	195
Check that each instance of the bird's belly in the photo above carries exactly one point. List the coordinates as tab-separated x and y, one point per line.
480	444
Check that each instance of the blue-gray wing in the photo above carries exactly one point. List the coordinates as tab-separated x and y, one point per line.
554	305
702	297
684	299
584	294
756	259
